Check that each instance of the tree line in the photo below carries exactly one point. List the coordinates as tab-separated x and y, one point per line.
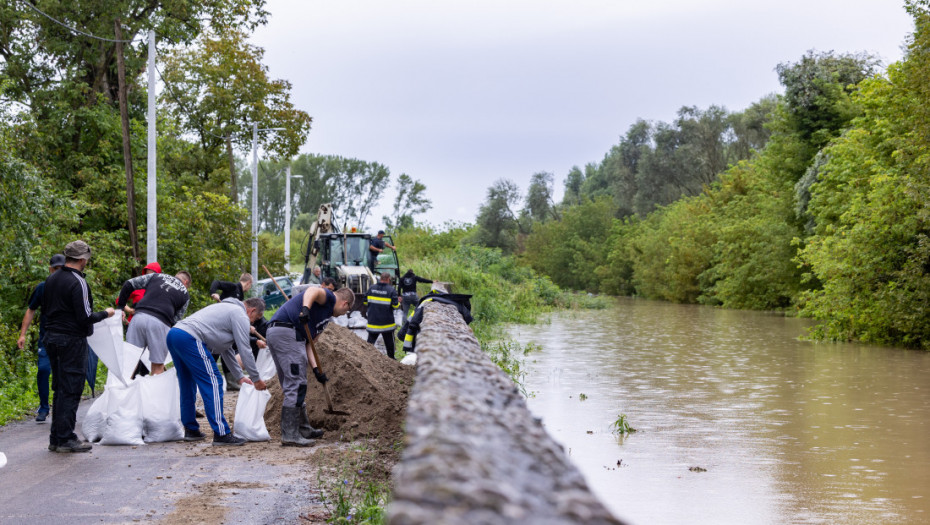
813	201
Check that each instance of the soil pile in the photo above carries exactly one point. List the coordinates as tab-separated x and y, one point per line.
367	384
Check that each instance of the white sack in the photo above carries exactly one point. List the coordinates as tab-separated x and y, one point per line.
95	420
107	343
409	359
249	423
2	460
161	407
265	365
124	416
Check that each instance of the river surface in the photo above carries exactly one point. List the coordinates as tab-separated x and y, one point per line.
788	431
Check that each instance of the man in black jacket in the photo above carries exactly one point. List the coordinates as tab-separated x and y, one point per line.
408	291
67	307
220	290
164	304
381	300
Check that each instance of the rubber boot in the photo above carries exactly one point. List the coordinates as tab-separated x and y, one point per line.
290	432
306	430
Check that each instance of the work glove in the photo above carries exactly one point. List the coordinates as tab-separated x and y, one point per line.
320	376
304	315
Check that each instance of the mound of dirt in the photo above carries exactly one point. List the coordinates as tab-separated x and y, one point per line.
367	384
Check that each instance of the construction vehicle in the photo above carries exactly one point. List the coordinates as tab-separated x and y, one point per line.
345	257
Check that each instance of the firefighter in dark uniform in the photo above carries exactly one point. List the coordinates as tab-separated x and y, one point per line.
381	300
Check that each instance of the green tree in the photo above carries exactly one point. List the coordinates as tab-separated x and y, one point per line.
497	223
219	88
410	201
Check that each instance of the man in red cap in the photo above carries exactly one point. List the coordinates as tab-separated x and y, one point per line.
136	295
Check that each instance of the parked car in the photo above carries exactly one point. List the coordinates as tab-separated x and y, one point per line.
266	289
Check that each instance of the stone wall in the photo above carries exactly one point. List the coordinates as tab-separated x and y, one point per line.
474	453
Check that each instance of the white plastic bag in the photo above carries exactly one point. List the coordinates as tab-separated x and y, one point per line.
95	420
249	423
161	407
124	416
265	365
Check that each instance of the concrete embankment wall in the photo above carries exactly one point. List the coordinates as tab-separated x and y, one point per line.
474	453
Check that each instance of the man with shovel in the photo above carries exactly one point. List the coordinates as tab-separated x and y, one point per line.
308	311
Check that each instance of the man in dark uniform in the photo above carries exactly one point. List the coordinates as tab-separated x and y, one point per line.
376	246
44	367
381	300
67	307
164	304
408	291
287	338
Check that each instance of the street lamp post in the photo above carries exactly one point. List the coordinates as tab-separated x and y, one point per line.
255	131
287	216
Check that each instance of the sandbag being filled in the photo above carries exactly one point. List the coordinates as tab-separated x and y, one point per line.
249	421
124	416
161	407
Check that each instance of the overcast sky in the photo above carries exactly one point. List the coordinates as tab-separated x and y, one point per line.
458	94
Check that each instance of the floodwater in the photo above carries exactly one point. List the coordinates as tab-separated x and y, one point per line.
788	431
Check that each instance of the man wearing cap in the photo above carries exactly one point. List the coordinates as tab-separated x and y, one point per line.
68	313
164	304
44	367
376	246
136	295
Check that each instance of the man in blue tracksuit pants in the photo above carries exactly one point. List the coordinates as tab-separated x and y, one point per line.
191	342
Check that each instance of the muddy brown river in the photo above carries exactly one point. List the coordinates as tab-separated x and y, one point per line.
788	431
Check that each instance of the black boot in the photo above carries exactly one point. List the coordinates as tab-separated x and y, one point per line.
306	430
290	432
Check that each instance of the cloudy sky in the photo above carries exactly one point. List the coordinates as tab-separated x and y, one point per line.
458	94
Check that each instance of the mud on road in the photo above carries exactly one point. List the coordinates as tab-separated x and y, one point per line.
186	483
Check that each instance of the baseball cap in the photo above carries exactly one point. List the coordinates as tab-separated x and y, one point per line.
57	260
154	266
77	250
380	232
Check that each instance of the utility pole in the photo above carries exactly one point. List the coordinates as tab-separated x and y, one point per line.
254	200
287	216
127	146
152	186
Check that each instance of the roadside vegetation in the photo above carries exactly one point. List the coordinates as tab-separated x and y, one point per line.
813	202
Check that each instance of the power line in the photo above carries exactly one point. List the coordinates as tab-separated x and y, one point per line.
72	29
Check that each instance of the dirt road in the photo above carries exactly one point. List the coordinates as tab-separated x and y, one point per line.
169	483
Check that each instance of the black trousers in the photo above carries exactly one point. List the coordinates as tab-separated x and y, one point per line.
68	357
388	338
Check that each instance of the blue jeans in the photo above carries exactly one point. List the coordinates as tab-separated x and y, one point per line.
42	375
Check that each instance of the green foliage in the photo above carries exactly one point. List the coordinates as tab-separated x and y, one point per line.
570	250
17	375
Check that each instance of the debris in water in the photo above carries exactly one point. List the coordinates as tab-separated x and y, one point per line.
697	469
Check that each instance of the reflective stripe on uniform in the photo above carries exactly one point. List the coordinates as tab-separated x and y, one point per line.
381	327
384	300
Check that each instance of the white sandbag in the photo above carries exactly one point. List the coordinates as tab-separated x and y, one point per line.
409	359
2	460
161	407
124	416
249	422
107	343
265	365
95	420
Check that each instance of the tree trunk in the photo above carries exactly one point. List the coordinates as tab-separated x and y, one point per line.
127	150
233	189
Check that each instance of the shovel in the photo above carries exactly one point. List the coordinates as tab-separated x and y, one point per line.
316	357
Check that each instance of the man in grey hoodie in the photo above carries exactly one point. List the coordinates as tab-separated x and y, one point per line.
213	329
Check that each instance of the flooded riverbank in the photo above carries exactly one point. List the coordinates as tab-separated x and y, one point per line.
788	431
